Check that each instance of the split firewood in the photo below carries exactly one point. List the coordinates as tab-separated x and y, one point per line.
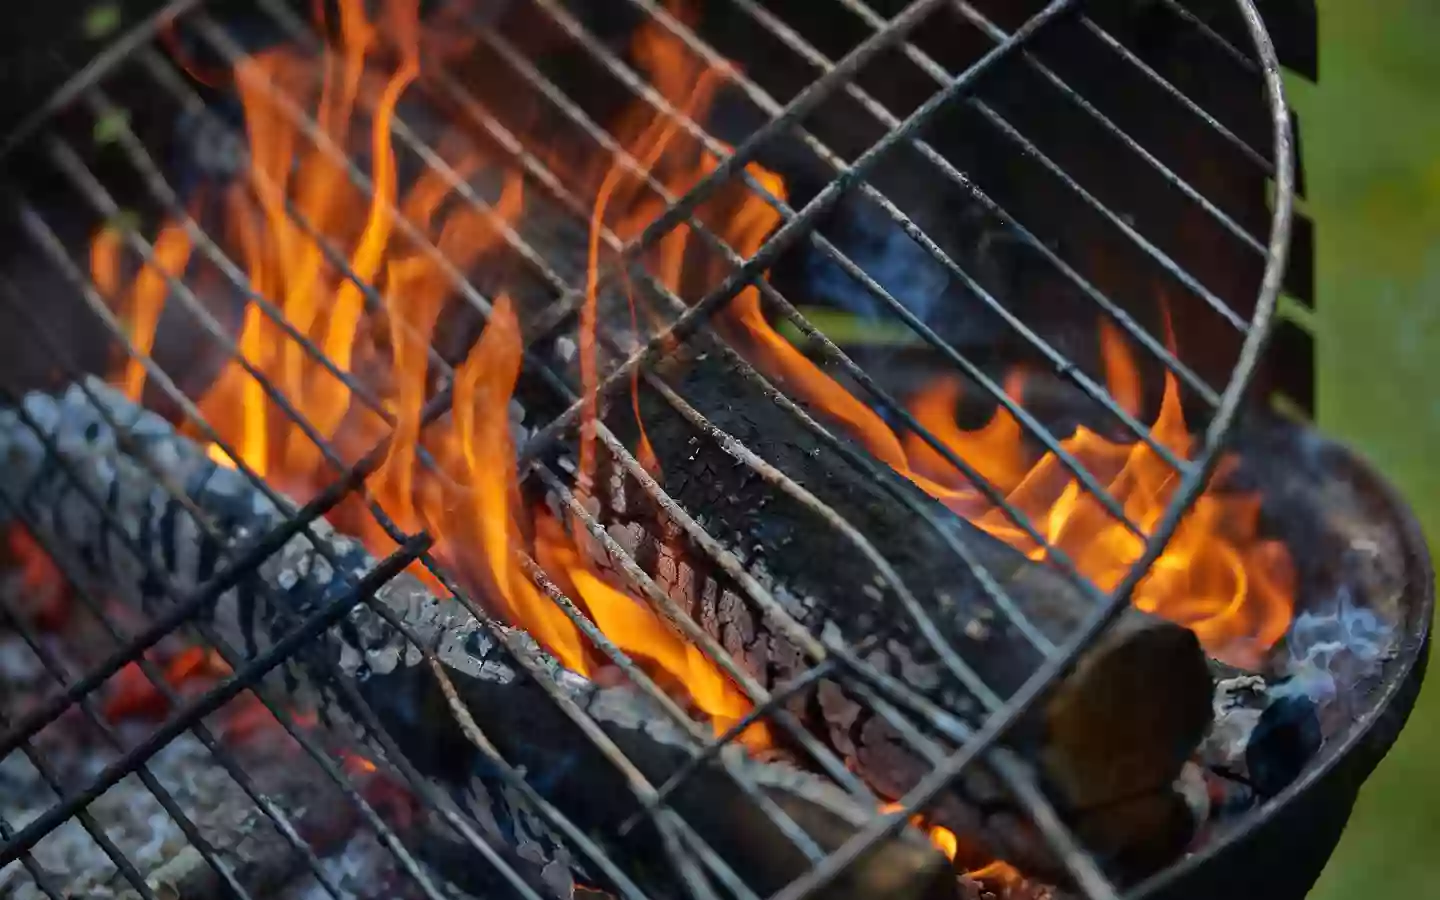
1109	741
496	672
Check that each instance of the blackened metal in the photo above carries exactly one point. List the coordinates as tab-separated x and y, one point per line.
1255	156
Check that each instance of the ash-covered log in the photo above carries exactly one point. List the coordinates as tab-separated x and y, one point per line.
1111	740
497	672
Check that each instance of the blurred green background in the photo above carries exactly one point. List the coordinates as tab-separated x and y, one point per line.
1371	139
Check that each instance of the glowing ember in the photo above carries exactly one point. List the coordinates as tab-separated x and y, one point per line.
999	874
133	695
41	587
942	838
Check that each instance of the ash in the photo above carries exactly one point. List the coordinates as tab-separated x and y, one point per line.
240	836
128	813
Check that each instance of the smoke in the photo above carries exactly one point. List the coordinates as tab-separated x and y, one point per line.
1334	649
878	246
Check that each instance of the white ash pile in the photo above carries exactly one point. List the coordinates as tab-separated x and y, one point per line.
72	751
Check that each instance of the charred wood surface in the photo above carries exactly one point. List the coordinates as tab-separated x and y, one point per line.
1110	740
367	656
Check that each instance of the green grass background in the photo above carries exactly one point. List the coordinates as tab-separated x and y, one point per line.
1371	139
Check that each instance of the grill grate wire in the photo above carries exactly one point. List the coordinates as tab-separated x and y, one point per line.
894	701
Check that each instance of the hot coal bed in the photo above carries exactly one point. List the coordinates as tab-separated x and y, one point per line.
1033	297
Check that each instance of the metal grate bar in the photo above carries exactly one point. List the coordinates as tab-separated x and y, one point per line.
43	879
940	74
187	608
225	581
26	838
461	188
991	388
1213	36
724	661
1144	68
122	862
1074	96
223	756
167	802
1175	270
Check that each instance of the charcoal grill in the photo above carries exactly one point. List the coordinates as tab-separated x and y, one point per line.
1181	148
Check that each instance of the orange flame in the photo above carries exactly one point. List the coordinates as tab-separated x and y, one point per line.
295	200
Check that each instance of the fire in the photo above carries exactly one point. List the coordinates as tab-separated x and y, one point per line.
295	207
943	838
1000	874
1218	576
294	201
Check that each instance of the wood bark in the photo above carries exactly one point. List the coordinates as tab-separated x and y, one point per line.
1109	741
368	656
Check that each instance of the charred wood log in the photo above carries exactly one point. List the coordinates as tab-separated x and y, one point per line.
1111	739
112	455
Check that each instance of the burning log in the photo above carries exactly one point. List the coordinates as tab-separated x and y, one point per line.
368	657
1111	740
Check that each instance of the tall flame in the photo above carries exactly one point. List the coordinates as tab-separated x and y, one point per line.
297	209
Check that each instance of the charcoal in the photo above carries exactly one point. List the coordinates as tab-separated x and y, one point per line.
1285	738
496	671
1118	729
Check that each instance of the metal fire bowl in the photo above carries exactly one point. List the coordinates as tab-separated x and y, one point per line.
1278	851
